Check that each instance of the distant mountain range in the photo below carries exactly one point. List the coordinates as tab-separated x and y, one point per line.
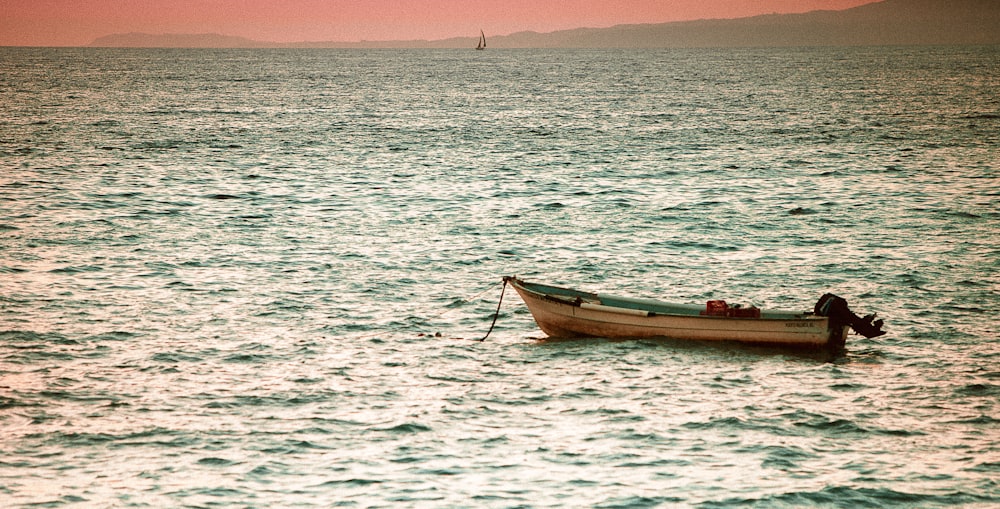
885	23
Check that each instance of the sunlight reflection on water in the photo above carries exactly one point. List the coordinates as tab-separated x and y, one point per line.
222	290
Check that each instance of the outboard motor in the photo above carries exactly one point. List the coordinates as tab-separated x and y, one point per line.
836	308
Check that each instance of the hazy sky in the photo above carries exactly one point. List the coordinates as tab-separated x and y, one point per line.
78	22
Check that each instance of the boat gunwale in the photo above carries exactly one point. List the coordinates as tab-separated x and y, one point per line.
575	298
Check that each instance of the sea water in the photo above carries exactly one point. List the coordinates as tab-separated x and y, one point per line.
255	278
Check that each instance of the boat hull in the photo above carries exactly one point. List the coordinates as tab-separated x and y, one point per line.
564	313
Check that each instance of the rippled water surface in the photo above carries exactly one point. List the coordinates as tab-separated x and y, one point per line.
249	278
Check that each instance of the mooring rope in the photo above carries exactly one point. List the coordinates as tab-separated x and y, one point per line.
497	313
465	300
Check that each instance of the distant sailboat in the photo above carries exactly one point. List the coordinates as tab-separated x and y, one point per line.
482	41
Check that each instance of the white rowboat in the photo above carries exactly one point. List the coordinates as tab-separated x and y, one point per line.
562	313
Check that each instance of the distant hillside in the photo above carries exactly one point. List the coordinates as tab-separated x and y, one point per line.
139	40
890	22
